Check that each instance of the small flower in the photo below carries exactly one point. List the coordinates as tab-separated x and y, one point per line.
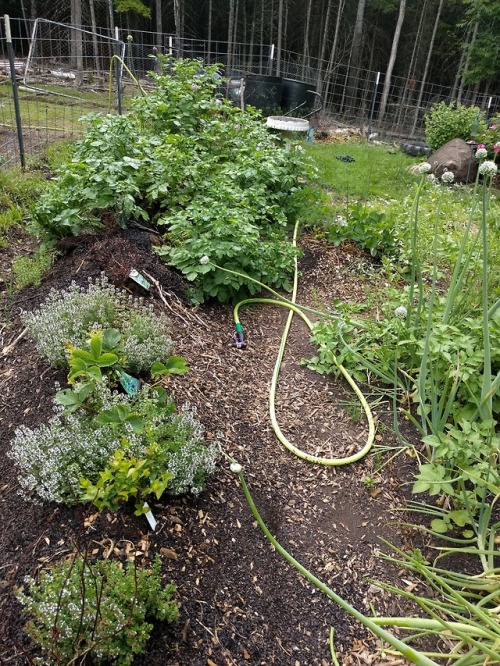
480	145
496	147
432	178
236	468
401	312
423	167
300	149
204	260
194	86
488	168
448	176
481	153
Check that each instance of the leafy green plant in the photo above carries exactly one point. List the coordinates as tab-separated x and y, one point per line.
92	423
67	316
103	350
370	229
128	477
452	121
81	609
165	162
30	270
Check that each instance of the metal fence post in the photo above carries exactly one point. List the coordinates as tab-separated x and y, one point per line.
17	111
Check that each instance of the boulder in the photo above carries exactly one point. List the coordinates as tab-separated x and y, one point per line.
456	156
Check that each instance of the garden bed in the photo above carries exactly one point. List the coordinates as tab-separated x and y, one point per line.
240	603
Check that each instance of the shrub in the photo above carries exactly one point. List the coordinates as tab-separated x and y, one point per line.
54	457
67	316
445	122
81	609
206	171
370	229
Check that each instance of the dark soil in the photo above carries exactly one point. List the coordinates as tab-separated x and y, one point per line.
240	602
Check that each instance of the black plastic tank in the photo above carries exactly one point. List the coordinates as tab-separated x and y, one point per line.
263	91
294	93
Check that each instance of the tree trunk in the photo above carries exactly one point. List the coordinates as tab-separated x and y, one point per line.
468	49
305	51
280	38
209	44
333	51
352	81
159	25
77	40
230	31
427	65
392	59
322	52
94	37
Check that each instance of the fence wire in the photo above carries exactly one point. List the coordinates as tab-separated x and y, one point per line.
64	72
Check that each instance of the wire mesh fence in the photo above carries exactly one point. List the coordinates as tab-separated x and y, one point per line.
64	72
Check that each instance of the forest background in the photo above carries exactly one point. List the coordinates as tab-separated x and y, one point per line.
452	43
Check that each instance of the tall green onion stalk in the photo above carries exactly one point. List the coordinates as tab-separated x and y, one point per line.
462	609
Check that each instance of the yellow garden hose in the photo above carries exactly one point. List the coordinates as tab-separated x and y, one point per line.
290	304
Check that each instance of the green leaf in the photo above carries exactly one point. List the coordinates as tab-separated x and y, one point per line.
96	345
439	526
110	338
106	360
176	365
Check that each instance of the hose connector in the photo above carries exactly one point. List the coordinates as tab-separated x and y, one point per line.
239	337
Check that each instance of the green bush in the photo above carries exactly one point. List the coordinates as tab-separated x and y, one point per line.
370	229
79	609
445	122
67	316
202	169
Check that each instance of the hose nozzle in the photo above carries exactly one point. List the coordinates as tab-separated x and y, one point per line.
239	337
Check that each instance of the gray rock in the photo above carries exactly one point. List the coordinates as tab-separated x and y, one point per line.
456	156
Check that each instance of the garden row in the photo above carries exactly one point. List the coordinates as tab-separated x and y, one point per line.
225	190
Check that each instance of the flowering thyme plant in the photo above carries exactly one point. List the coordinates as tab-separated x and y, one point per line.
67	316
54	457
79	608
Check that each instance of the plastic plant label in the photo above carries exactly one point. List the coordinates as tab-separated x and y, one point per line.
131	385
150	518
139	279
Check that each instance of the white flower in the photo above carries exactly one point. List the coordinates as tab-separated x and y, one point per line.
423	167
236	468
432	178
401	312
448	176
300	149
481	153
204	260
488	168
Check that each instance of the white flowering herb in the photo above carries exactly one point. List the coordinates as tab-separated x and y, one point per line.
481	153
67	316
488	168
79	609
204	260
53	458
448	177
